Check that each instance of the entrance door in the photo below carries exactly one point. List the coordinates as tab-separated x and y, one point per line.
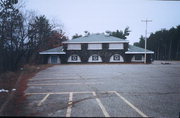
54	59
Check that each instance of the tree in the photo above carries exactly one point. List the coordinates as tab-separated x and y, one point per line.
42	37
38	31
76	36
119	33
141	42
55	39
126	32
165	43
22	38
86	33
12	35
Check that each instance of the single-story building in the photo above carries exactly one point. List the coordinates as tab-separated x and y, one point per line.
96	48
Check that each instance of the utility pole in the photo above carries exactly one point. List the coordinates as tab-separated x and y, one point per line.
145	47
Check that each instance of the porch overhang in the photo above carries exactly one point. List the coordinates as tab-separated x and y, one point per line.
52	53
139	52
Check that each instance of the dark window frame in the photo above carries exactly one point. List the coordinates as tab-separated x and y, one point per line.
95	57
74	57
116	57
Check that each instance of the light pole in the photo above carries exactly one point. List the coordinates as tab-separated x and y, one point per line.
145	47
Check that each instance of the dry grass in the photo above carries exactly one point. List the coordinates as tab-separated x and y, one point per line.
17	80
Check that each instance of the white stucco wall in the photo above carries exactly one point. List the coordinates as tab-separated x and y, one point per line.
94	46
74	47
116	46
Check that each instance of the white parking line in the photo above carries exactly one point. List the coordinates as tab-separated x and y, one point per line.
68	113
61	78
131	105
69	109
39	104
54	84
57	93
101	106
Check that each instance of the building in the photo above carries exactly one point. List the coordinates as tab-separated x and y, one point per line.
96	48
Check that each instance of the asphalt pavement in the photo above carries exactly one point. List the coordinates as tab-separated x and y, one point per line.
105	90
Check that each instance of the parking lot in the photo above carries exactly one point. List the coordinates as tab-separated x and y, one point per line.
105	90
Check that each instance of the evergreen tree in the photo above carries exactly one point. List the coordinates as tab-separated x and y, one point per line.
165	44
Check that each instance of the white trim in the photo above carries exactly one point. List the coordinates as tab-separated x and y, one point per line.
99	58
98	42
95	46
52	53
76	46
70	60
116	46
139	52
112	58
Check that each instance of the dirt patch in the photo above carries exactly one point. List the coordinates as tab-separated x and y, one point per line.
16	84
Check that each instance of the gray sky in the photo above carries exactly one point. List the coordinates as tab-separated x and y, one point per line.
97	16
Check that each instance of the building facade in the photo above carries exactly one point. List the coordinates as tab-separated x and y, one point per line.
96	48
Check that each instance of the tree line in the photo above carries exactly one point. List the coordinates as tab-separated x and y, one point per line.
23	35
118	33
165	43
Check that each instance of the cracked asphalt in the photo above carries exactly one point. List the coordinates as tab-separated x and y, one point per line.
105	90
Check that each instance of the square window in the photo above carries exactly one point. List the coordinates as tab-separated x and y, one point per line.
74	58
95	58
116	57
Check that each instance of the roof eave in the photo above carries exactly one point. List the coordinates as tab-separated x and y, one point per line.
139	52
52	53
97	42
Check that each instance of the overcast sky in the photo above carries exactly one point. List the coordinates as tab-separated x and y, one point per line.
97	16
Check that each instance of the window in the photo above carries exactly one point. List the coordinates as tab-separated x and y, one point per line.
74	47
115	46
95	58
116	57
94	46
74	58
138	57
53	59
